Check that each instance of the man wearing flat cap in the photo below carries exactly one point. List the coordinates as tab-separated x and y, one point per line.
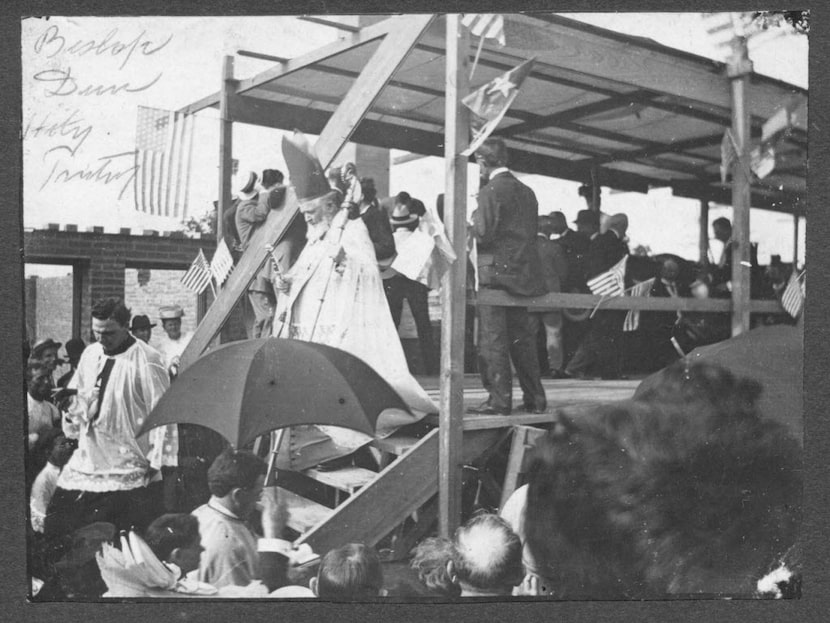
334	296
172	344
505	226
600	351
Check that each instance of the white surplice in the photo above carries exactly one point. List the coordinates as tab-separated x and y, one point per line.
344	306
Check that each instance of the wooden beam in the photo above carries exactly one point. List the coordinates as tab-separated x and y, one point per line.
399	490
703	234
579	112
560	300
453	286
739	70
361	37
227	91
273	114
331	140
392	51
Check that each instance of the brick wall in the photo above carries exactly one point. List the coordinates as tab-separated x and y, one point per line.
101	262
157	288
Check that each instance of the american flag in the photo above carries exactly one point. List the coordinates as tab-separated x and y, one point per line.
490	103
632	318
164	150
197	277
611	282
792	299
485	25
222	263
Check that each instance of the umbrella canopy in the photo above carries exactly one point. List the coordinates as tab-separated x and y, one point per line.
772	356
247	388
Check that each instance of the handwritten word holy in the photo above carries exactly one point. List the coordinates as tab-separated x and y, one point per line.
52	43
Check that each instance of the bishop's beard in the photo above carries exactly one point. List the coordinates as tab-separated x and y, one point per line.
317	231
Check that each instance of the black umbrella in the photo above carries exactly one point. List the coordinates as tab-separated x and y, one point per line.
245	389
773	356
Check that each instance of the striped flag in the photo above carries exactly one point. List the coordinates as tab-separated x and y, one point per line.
222	263
163	154
490	102
197	277
632	318
611	282
792	299
485	25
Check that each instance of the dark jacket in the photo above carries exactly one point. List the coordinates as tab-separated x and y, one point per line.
380	231
553	262
606	250
575	246
505	227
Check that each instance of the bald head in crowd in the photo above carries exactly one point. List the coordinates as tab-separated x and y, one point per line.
487	557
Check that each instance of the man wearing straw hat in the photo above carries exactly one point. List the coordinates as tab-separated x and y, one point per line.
173	342
334	296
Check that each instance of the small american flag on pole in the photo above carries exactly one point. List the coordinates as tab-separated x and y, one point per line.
611	282
792	299
485	25
632	318
163	155
222	263
197	277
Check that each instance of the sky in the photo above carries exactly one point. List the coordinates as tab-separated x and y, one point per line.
84	77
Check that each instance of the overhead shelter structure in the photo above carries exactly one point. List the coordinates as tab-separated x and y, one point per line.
598	107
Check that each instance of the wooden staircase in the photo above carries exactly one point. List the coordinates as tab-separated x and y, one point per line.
371	505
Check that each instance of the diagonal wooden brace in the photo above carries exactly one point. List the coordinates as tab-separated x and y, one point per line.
392	51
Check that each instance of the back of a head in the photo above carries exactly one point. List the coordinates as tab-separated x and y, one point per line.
545	225
429	559
169	532
271	177
487	555
367	186
232	469
493	152
348	573
639	500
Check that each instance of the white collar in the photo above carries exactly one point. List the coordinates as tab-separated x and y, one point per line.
216	505
498	171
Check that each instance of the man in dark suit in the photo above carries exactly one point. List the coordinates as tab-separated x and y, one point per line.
658	326
505	227
601	346
548	323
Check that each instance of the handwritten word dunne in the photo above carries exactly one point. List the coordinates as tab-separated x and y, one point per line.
72	129
67	85
51	43
103	174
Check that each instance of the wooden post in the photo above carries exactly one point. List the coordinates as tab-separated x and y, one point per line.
703	238
453	286
228	88
796	217
739	69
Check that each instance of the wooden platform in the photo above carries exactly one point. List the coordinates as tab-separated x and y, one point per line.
560	393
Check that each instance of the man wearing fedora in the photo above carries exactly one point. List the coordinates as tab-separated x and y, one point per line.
399	287
141	328
505	225
172	344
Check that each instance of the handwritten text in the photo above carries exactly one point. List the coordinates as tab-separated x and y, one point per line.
52	42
